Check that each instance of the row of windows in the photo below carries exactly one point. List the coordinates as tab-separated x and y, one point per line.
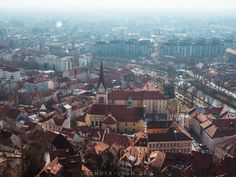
184	150
51	127
96	123
99	123
160	107
127	124
134	130
169	144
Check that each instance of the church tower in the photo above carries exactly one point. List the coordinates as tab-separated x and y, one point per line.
101	95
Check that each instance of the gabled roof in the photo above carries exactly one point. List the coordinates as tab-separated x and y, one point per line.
122	140
38	79
130	154
120	112
221	128
53	167
101	147
109	120
157	159
225	168
229	146
201	117
170	135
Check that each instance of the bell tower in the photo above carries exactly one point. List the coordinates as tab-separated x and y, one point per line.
101	95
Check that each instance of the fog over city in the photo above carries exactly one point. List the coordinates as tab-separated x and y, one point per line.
212	5
117	88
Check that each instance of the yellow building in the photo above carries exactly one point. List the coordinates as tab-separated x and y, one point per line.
141	145
170	141
129	119
153	101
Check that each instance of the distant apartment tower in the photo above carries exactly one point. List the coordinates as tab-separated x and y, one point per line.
198	48
124	49
55	63
9	77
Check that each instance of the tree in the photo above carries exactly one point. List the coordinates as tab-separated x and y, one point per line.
32	158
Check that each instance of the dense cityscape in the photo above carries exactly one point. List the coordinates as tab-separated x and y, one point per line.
117	93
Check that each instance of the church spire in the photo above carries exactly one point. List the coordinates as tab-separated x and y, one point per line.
101	83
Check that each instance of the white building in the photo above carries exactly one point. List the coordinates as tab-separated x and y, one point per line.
8	78
55	63
9	73
216	131
85	61
39	83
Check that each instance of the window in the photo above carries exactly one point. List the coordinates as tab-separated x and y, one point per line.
101	100
134	130
134	124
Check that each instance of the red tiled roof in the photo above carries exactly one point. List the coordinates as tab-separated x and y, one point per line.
225	168
201	117
228	146
87	172
120	112
135	95
118	139
221	128
204	159
101	147
53	167
37	79
157	159
170	135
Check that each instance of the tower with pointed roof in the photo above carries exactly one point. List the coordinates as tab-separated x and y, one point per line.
101	83
101	95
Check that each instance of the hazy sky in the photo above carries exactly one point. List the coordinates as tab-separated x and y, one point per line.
122	4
